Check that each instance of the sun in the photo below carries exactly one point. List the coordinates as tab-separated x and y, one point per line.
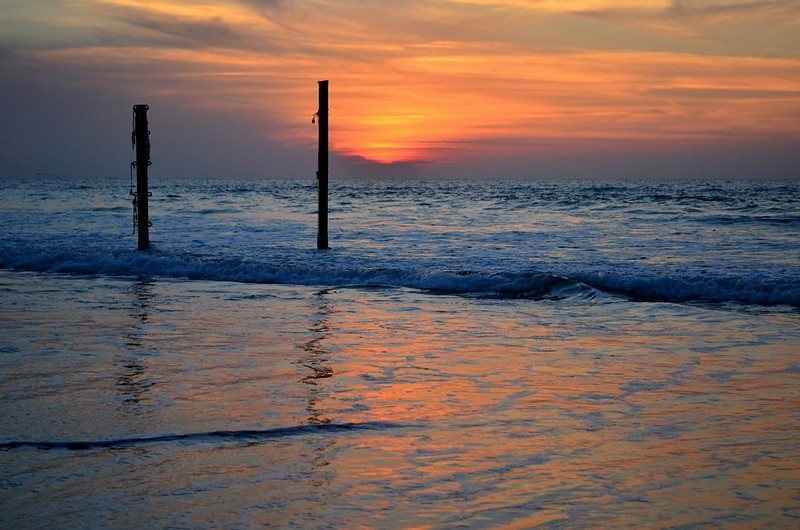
388	138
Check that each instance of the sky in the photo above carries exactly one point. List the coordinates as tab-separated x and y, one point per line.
452	88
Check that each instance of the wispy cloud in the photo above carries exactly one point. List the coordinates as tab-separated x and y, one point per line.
709	27
695	8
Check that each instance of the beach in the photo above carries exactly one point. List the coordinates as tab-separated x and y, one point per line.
515	355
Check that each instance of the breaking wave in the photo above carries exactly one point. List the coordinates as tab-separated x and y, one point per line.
312	270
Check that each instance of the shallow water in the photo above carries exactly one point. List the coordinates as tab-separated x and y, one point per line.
208	404
516	355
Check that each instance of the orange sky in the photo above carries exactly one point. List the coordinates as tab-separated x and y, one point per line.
432	83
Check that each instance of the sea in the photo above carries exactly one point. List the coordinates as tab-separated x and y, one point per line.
466	354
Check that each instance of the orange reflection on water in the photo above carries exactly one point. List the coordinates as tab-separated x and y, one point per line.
446	410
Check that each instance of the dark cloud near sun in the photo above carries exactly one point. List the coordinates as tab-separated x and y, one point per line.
154	28
213	32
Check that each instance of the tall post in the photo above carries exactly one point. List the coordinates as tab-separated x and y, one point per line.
322	171
142	141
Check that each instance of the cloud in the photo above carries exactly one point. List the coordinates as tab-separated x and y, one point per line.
213	32
701	8
424	85
720	28
168	24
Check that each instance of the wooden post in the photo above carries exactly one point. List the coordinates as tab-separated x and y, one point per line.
142	140
322	171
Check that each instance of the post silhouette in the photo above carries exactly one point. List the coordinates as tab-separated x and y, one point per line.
322	169
141	139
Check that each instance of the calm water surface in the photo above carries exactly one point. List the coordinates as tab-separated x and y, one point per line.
389	408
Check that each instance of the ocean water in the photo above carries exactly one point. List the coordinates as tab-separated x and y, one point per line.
477	354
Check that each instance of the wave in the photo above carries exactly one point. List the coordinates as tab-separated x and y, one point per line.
337	271
299	270
242	436
757	290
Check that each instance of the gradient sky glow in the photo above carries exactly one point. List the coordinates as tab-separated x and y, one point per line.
502	88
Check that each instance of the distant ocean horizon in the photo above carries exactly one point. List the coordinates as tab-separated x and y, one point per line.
478	353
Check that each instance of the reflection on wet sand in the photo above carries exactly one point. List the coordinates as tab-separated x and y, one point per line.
315	358
132	380
394	409
546	426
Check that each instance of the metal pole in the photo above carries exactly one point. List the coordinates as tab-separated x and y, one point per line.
322	172
142	140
